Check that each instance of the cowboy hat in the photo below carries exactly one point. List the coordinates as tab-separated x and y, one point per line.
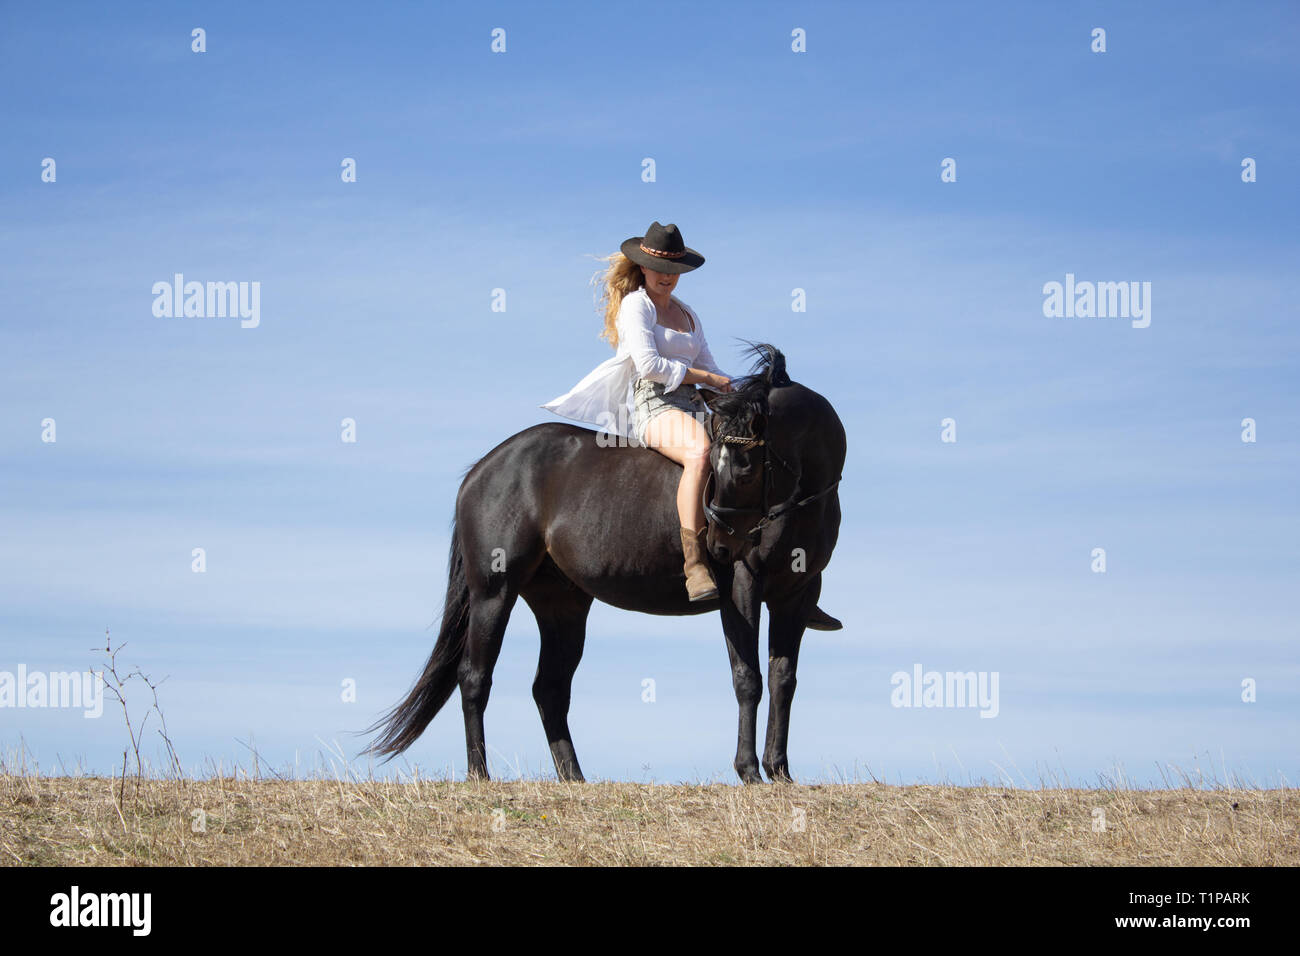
662	250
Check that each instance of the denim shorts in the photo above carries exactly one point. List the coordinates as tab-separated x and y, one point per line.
650	400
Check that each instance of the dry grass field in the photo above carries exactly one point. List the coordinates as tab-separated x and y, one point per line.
238	821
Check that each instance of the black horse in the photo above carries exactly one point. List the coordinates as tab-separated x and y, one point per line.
560	518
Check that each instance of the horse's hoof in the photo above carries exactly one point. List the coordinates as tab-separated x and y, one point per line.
819	620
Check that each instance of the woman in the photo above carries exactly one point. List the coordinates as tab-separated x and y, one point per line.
649	390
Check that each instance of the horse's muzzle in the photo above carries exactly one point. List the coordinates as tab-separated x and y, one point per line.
725	548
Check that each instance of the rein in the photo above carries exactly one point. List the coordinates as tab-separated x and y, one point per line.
714	513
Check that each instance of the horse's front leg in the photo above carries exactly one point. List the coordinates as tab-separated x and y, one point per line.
786	622
741	602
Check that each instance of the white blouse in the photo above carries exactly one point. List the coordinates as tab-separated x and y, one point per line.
647	350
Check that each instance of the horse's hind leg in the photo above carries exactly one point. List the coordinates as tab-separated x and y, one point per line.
488	617
561	611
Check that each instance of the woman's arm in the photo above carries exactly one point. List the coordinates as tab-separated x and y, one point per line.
703	376
709	372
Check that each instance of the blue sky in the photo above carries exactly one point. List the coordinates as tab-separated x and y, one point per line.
821	171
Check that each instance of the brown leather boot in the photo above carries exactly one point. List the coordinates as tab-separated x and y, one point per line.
700	585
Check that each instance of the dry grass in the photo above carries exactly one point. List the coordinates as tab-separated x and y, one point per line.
339	818
81	820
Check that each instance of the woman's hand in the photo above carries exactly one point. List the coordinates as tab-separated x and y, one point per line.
719	382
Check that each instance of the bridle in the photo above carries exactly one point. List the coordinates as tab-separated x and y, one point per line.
714	513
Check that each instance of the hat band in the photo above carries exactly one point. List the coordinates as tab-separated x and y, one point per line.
661	254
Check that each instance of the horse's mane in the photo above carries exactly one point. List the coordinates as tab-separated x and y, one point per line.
738	409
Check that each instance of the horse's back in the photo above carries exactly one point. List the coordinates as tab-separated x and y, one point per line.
539	449
602	509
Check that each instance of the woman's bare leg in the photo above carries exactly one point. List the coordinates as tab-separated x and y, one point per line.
679	436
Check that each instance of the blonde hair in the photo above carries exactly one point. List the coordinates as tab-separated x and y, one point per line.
620	278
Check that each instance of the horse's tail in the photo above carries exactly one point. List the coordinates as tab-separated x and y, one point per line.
405	722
